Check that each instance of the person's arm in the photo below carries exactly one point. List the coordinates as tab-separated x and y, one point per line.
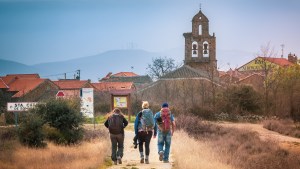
106	123
125	122
136	123
155	125
173	124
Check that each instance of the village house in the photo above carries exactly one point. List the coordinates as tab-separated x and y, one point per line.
71	88
27	87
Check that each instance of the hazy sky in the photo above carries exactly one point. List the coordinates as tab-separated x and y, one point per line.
35	31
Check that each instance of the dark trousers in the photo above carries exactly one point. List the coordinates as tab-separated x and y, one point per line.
145	137
117	146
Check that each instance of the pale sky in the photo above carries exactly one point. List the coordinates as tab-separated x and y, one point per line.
36	31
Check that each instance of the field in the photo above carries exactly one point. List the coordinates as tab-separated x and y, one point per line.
89	154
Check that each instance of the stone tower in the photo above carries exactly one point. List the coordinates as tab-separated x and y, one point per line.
200	46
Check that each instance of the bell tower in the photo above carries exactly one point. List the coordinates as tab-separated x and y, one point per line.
200	46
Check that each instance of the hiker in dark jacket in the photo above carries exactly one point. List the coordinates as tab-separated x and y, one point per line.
116	123
143	126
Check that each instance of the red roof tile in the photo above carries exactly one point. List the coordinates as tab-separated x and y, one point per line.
106	86
125	74
279	61
11	77
71	84
3	84
23	86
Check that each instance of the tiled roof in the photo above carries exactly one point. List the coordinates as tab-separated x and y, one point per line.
105	86
124	74
71	84
251	76
186	72
137	80
3	84
11	77
23	86
279	61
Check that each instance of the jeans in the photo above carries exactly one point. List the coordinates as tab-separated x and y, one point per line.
164	143
117	146
144	137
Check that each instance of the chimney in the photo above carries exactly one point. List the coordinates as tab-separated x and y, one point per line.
292	58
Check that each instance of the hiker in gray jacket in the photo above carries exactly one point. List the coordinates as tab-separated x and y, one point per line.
143	126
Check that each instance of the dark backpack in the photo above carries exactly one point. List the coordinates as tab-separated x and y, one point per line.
115	124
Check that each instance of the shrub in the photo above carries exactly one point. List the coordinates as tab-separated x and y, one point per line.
240	100
285	127
65	116
30	131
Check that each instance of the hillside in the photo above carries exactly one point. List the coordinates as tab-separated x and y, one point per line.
11	67
91	67
97	66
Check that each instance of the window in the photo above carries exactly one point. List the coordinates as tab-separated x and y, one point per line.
194	49
200	29
205	49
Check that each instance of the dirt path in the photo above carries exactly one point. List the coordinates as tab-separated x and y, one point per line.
131	159
286	142
264	134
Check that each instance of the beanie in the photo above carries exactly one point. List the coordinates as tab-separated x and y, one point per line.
164	105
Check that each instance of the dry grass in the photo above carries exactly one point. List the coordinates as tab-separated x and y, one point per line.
286	127
88	155
190	153
239	148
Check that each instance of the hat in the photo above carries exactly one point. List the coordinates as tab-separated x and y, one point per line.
164	105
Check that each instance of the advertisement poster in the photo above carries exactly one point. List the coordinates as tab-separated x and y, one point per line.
120	101
87	102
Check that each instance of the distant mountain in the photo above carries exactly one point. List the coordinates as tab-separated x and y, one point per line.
11	67
97	66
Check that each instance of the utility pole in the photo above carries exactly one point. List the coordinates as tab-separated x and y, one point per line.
282	46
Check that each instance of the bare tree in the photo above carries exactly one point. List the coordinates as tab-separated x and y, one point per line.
266	52
161	66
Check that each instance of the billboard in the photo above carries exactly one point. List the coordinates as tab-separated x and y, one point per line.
120	101
87	102
20	106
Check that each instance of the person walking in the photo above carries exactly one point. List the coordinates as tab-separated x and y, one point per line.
116	123
165	127
143	127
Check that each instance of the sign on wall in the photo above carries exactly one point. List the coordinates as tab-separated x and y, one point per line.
87	102
120	101
20	106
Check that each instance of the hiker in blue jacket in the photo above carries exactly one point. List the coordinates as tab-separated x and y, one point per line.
165	127
143	127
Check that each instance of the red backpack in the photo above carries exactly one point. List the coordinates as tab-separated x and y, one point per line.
165	115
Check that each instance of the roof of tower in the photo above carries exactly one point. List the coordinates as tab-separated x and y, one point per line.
200	16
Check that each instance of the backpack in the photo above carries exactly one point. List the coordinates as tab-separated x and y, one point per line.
164	121
147	120
115	124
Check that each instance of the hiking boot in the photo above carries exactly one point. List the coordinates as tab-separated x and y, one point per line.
161	155
119	160
166	161
115	163
135	145
142	160
147	161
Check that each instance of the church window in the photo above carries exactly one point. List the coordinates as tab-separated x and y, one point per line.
205	49
200	29
194	49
